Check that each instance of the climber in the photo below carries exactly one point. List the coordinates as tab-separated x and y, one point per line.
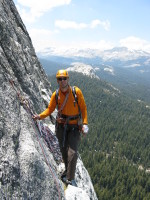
71	120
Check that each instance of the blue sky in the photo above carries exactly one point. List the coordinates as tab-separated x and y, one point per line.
101	24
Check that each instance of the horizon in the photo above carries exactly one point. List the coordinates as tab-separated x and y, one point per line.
102	25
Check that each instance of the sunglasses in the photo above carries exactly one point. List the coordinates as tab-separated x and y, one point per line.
63	78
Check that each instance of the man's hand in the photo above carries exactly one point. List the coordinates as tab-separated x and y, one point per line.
85	129
36	117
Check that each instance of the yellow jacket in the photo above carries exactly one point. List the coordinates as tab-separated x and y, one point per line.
70	108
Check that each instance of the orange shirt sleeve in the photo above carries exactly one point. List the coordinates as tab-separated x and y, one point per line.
82	105
51	107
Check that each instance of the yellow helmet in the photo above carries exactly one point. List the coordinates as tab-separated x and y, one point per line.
62	73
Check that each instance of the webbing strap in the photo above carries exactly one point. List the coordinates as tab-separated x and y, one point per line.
76	99
64	103
74	94
72	117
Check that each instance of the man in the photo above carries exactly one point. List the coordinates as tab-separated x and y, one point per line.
71	107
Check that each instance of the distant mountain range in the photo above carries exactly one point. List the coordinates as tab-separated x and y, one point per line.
117	57
127	69
132	58
121	53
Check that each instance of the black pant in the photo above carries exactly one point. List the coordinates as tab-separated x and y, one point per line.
68	147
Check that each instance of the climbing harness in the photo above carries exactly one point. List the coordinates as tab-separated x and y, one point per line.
46	133
64	119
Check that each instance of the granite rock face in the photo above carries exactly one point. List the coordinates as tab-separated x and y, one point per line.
27	168
23	171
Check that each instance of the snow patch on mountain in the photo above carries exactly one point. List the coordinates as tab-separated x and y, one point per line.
71	52
123	54
85	69
109	70
135	65
96	69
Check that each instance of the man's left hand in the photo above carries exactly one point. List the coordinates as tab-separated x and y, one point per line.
85	129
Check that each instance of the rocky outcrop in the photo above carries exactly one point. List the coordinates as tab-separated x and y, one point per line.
27	168
85	69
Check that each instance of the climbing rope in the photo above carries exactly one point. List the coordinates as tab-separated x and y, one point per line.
51	141
50	138
42	130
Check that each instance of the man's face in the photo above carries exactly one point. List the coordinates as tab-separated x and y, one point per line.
63	82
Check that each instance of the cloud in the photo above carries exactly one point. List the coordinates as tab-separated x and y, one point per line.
42	38
65	24
30	10
98	45
135	43
104	24
36	33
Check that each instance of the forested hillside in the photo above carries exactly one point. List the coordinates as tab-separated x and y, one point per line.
116	151
129	80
